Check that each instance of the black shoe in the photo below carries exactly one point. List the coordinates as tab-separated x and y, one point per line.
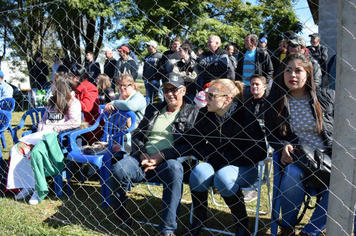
200	204
125	220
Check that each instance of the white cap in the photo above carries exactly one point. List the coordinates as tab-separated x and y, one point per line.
200	99
152	43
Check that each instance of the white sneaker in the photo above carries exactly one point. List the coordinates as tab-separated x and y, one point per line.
34	199
23	193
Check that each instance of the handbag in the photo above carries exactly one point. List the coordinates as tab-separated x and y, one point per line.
315	163
100	148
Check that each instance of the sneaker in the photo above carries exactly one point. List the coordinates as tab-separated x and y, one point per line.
250	196
23	193
34	199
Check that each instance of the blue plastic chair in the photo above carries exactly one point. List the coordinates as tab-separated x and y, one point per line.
114	130
35	116
276	205
5	124
7	104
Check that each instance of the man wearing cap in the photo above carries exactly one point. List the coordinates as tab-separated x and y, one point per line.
318	51
6	90
126	64
151	75
156	144
253	61
262	43
110	67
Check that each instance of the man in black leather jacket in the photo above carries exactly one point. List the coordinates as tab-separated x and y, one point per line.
156	144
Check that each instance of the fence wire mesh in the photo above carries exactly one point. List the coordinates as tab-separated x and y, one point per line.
124	51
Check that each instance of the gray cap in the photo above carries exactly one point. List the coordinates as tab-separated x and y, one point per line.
152	43
298	40
316	35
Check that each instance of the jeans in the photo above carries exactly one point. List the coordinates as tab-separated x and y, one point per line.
227	180
169	173
153	88
292	192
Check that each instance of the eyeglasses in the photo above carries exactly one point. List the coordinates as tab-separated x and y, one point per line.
294	45
123	86
173	90
211	96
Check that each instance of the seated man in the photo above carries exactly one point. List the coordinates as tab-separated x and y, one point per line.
156	144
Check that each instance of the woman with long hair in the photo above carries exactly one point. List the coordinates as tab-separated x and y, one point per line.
229	141
62	113
106	93
299	113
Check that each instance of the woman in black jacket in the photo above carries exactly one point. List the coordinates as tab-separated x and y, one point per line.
299	113
229	141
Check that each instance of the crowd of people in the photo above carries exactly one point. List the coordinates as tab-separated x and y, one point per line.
218	106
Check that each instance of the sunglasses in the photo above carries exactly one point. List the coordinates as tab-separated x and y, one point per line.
173	90
294	45
211	96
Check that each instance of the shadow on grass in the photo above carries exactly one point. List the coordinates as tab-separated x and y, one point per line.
84	208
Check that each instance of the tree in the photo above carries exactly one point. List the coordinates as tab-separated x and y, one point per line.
197	20
81	23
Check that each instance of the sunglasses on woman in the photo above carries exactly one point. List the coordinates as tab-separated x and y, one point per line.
211	96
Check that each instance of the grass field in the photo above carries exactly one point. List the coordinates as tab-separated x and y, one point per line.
82	213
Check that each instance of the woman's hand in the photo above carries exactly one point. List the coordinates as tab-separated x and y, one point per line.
286	157
109	108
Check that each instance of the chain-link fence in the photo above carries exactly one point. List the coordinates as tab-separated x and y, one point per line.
126	52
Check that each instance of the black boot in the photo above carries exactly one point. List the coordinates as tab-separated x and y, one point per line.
238	210
200	204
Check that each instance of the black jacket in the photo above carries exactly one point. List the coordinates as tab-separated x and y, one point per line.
109	67
93	69
256	106
127	66
320	53
151	66
263	64
238	141
180	127
215	65
326	98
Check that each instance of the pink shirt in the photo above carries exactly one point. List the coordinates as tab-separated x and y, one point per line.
59	122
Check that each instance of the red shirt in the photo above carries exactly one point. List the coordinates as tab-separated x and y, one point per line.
87	94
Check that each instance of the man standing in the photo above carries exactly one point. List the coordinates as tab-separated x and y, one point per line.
170	57
215	63
253	61
156	144
6	90
318	51
41	72
92	67
109	67
55	66
151	75
126	64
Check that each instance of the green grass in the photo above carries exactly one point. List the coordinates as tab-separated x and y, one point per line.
82	213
